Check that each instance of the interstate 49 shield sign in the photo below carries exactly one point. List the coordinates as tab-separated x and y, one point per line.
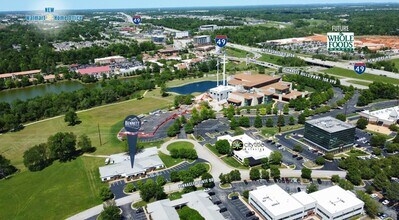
360	68
221	40
137	19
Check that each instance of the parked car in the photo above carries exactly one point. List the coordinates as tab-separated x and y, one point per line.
211	193
217	202
234	197
319	181
385	202
223	209
250	213
294	156
139	210
246	182
299	158
255	218
298	189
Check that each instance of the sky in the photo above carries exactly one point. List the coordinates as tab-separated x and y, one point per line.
27	5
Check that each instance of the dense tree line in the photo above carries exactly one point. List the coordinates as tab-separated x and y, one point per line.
13	115
189	24
38	53
384	65
378	90
6	168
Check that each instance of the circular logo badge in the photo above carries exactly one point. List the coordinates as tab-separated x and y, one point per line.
237	145
132	123
137	19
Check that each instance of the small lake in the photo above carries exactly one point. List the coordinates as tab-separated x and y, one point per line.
193	87
40	90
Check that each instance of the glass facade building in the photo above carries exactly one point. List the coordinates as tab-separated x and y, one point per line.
330	134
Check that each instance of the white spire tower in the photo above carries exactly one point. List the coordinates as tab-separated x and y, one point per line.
224	69
217	73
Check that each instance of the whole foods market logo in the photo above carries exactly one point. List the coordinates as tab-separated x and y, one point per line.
340	41
50	16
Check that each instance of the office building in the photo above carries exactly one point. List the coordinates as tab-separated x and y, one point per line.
253	150
386	117
202	39
120	167
181	34
197	200
109	60
159	39
330	134
333	203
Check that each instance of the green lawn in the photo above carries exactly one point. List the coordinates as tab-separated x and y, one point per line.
187	213
139	204
180	145
233	162
274	130
175	195
365	76
356	153
363	83
213	149
168	160
269	58
109	118
57	192
233	52
396	62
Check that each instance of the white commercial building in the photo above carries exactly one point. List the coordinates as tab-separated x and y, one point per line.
120	166
198	200
333	203
337	203
253	150
221	92
385	116
202	39
181	34
108	60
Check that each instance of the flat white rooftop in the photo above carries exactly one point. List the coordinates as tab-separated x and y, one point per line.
387	114
330	124
252	148
304	198
275	200
222	88
335	199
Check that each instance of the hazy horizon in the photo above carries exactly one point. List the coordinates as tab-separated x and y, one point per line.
33	5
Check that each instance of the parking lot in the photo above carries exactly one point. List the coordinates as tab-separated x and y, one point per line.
216	127
129	213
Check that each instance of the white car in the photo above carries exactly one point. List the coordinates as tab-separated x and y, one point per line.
374	195
385	202
206	189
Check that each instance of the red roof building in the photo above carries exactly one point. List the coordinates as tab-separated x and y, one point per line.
98	70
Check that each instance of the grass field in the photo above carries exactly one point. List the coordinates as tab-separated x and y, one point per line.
363	83
233	162
233	52
187	213
180	145
396	61
365	76
175	195
168	160
269	58
109	118
274	130
57	192
213	149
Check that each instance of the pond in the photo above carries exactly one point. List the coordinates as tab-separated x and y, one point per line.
193	87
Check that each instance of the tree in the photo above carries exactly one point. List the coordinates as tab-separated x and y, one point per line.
130	188
377	140
233	123
280	121
298	148
381	181
393	192
275	110
174	176
111	213
392	147
341	117
245	193
362	123
370	205
320	161
306	173
377	151
345	184
223	146
235	175
62	146
265	174
36	158
105	193
269	123
244	122
354	176
71	118
151	190
274	171
312	188
301	119
335	178
189	127
207	176
6	168
258	122
286	109
161	180
254	174
329	156
246	162
84	143
265	163
396	139
275	158
291	120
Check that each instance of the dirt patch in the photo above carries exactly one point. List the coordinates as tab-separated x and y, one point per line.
379	129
